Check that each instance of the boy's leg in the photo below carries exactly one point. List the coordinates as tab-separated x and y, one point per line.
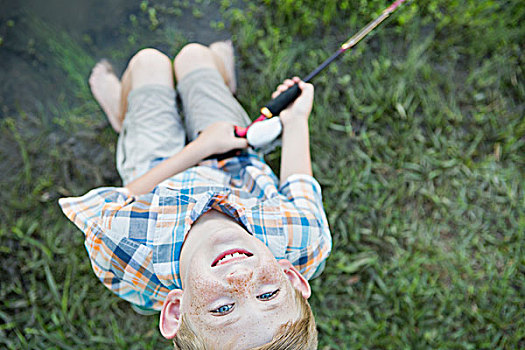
151	126
106	88
203	84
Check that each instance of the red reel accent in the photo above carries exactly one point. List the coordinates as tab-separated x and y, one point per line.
241	132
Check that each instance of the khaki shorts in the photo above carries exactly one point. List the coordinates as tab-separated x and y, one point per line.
153	128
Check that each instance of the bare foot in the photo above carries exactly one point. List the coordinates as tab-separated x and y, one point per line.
105	87
224	49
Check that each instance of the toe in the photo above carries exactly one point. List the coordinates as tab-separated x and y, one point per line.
106	65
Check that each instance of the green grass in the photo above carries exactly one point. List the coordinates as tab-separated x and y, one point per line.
418	140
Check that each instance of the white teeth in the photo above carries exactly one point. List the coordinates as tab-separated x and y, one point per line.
231	256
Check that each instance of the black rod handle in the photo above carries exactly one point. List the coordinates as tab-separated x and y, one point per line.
278	104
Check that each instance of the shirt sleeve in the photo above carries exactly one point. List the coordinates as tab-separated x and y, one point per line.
121	262
308	234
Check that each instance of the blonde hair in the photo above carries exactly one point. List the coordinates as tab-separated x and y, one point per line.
299	335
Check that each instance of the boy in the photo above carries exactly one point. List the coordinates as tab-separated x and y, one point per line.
219	247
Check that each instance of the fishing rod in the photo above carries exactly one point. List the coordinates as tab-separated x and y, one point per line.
278	104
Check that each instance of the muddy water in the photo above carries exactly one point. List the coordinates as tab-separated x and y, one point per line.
30	80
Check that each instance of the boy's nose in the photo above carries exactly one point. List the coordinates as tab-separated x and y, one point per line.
241	274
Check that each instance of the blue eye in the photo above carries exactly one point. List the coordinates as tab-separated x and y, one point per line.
224	309
268	296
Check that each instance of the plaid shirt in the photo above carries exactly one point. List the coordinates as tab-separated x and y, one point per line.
134	243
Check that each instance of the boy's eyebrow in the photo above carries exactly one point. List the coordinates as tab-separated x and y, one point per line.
273	306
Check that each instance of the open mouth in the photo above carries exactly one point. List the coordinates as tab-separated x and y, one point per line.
230	256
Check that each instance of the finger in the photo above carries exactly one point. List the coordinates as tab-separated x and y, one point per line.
296	79
240	142
282	88
288	83
309	88
275	94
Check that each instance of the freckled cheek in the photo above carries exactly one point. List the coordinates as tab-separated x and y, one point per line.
271	274
203	290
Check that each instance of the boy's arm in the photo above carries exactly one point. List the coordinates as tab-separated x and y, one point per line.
295	155
217	138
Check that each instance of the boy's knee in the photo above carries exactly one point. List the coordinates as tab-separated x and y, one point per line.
150	66
149	57
192	50
192	56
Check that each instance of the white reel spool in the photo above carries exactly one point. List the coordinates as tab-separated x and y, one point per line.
262	133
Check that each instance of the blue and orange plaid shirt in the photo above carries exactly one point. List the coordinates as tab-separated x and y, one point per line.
134	242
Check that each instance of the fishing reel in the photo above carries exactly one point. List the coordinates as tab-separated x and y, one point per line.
261	134
264	131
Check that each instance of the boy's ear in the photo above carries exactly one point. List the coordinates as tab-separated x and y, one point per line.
170	315
298	281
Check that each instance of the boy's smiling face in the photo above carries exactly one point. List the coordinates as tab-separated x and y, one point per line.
234	290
